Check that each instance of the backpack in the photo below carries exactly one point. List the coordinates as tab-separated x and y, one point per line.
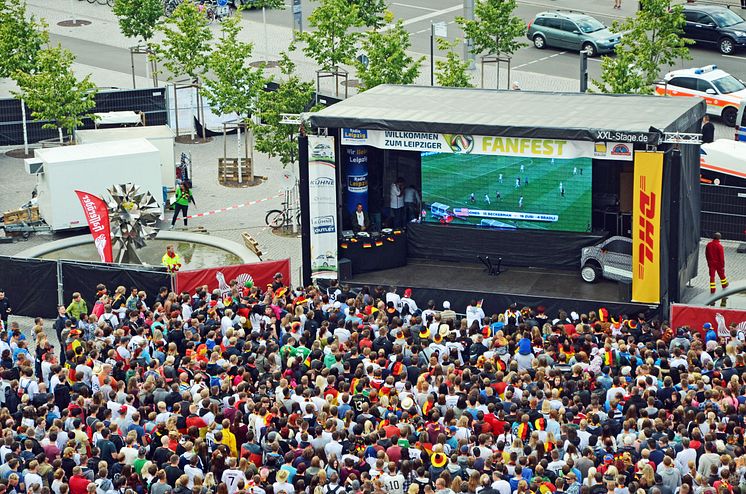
11	400
23	389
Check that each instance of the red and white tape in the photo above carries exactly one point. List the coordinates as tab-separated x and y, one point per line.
235	206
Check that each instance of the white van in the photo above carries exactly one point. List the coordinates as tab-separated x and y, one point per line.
741	122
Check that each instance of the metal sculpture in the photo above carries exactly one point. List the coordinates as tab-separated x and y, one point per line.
134	215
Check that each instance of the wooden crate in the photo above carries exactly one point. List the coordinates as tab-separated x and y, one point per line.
252	244
29	215
228	170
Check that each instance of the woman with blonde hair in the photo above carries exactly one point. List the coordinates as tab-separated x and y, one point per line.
647	477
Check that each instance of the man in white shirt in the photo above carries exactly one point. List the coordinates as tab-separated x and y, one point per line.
474	312
226	322
411	202
360	219
232	476
393	480
397	203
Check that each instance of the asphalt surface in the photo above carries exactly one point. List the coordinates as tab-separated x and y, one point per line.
419	14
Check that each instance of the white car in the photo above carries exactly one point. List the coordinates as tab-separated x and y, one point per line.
610	259
322	151
722	92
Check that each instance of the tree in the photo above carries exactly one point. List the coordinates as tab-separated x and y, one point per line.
186	42
372	13
138	18
388	62
653	38
495	29
331	43
294	96
233	86
22	37
451	72
54	93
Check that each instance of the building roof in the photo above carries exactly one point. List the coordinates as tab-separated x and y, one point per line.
572	116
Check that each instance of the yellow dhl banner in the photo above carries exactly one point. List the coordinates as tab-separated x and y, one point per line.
646	227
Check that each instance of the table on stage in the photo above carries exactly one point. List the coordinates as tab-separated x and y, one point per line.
375	253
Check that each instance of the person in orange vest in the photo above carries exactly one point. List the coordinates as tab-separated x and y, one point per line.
716	262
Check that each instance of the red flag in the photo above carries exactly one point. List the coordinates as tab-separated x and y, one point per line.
97	215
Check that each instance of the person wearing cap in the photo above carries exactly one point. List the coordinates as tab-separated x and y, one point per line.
278	282
409	303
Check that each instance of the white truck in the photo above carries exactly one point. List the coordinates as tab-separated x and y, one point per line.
60	171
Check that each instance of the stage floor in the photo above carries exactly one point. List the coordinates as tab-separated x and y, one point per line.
518	281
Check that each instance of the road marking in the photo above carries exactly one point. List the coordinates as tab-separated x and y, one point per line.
587	12
409	6
539	60
425	17
734	56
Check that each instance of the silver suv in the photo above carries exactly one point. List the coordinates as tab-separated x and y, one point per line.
572	31
610	259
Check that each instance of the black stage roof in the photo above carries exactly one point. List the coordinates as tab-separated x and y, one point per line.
572	116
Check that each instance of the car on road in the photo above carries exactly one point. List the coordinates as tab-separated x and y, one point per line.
722	92
573	31
715	25
610	259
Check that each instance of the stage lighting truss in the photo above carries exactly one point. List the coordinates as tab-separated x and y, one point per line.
681	138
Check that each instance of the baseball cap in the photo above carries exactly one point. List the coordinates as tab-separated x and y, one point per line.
446	305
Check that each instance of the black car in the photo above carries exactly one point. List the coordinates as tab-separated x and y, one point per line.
715	25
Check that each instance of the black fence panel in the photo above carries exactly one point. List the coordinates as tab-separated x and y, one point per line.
723	210
150	101
31	285
83	278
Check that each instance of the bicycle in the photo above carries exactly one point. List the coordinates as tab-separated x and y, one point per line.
283	218
169	6
110	3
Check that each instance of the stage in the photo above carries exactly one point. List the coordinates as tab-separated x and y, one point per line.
461	282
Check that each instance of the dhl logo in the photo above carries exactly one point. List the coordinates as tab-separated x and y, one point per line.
647	231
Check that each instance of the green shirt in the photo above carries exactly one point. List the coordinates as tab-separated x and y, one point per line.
182	197
76	308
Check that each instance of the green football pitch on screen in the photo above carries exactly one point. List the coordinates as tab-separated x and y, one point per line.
507	191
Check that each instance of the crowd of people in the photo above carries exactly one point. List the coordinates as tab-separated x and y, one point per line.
328	391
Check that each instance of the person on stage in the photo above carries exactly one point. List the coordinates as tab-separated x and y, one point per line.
360	219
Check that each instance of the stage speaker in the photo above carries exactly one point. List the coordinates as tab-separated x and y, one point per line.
345	269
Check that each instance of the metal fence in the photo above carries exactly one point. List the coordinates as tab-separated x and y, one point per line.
724	211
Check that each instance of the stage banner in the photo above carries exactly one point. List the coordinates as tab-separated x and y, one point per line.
356	172
486	145
262	274
322	191
721	319
646	227
97	215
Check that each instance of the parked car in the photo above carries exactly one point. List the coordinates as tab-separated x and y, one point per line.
715	25
572	31
722	92
610	259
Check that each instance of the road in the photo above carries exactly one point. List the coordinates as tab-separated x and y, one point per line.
419	14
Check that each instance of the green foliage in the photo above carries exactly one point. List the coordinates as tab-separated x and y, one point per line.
371	13
22	37
494	29
388	62
652	39
138	18
453	71
233	85
54	93
293	96
185	48
331	42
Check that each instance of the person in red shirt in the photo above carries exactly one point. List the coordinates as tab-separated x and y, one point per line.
78	482
716	262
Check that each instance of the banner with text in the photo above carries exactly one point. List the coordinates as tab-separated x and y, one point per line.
723	320
261	273
322	190
646	227
486	145
97	215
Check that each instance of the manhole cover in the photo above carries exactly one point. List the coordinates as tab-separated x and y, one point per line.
73	23
267	64
18	153
351	83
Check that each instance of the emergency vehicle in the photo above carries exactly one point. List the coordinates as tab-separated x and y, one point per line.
722	92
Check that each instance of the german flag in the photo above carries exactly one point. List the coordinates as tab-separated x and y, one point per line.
609	358
523	431
344	245
307	362
429	405
390	239
378	243
367	246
